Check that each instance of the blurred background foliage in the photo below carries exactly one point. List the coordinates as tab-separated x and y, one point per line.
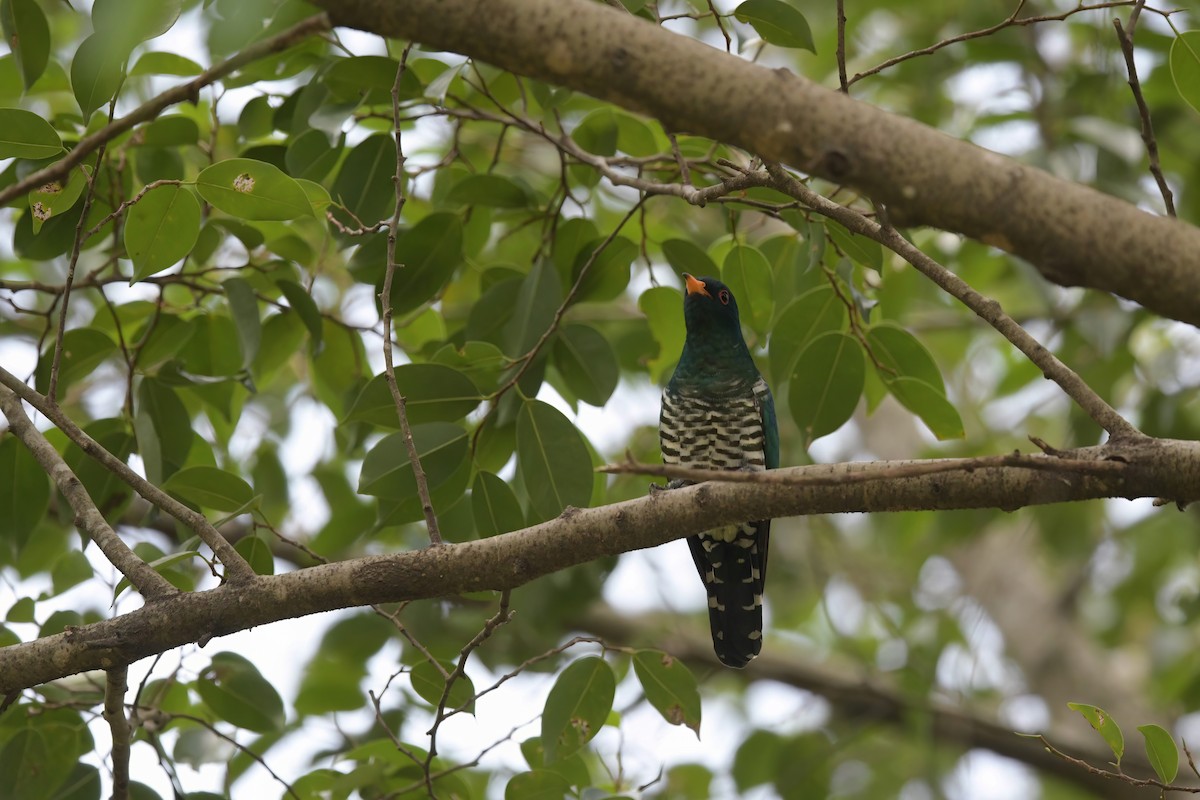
231	350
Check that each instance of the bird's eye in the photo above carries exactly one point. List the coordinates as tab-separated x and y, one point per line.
723	296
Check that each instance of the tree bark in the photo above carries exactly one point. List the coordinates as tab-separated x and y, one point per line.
1153	468
1073	234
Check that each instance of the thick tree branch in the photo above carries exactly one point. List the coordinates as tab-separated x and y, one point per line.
1156	468
1075	235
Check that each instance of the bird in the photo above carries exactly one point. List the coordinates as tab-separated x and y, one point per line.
718	413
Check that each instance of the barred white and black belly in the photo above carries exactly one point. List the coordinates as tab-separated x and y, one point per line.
724	433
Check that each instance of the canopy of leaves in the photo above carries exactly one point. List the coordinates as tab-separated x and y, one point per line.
219	266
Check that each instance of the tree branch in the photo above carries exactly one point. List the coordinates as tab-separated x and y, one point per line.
866	700
1075	235
236	567
87	517
1155	468
149	110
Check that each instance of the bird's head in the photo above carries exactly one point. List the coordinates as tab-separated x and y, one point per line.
709	309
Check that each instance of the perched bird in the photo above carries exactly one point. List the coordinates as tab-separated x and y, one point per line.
718	413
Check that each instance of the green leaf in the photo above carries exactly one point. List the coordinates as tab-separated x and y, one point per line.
28	34
364	183
213	349
670	687
899	351
1161	751
163	428
255	190
930	405
428	683
858	249
537	302
84	349
748	275
71	569
587	363
304	306
243	307
237	693
597	132
24	492
31	766
107	490
489	190
210	487
817	311
538	784
24	134
98	70
1184	61
159	63
54	198
684	256
552	459
135	21
387	470
161	229
310	155
827	383
426	256
577	706
1105	725
175	130
608	274
663	308
494	505
432	393
777	23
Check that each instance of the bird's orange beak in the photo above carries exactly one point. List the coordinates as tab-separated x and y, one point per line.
695	285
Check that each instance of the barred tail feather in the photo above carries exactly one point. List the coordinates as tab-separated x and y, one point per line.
734	573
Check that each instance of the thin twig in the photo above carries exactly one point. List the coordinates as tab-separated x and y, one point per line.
844	87
152	108
501	616
1125	38
1116	776
385	301
987	309
115	686
262	762
1041	463
76	248
87	517
1009	21
236	567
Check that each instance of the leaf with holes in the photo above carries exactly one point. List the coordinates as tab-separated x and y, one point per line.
670	687
1105	725
577	707
250	189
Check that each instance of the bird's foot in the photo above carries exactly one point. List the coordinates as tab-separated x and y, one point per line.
678	483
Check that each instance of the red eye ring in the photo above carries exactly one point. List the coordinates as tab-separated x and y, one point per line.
723	296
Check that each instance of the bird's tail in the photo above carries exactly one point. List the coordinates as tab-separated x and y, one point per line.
734	573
